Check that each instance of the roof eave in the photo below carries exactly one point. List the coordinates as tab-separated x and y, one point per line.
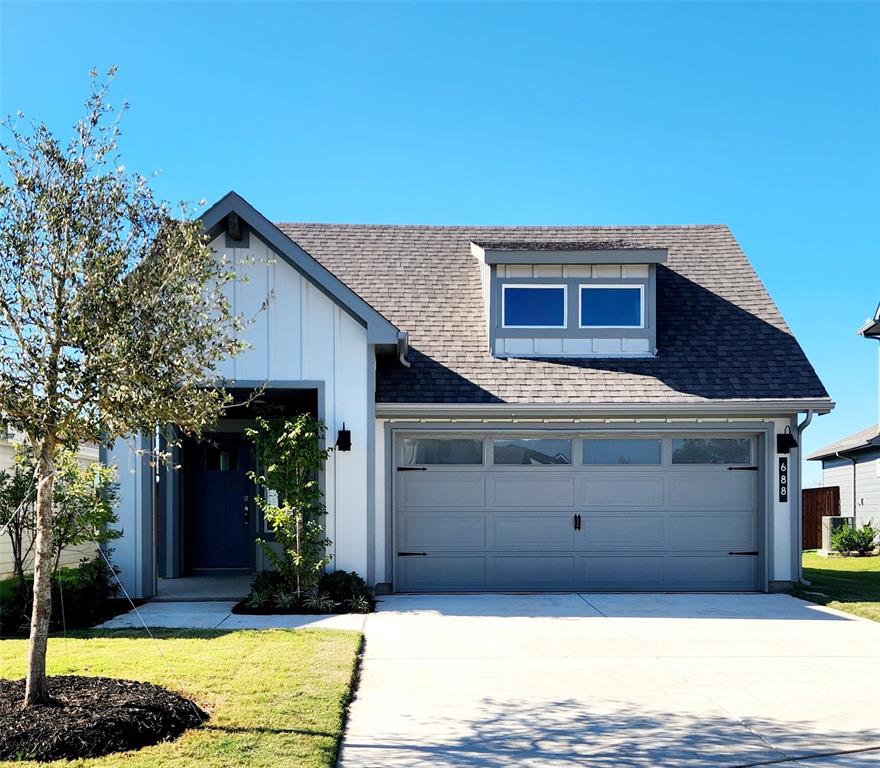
379	329
717	408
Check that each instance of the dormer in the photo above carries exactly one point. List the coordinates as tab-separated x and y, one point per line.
567	299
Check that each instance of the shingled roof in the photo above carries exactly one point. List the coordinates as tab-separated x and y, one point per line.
866	439
719	334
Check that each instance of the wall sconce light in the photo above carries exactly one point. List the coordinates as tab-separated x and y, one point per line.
343	439
785	441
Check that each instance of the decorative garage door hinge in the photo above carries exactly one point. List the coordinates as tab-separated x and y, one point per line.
412	469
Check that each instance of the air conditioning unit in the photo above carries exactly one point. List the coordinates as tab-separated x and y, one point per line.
830	524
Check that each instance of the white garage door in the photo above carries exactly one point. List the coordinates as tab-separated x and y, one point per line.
572	511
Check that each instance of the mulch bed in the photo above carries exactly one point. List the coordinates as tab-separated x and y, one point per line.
92	716
246	609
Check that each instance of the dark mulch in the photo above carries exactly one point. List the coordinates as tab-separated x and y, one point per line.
92	716
244	607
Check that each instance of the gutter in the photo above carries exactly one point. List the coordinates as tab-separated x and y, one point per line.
742	408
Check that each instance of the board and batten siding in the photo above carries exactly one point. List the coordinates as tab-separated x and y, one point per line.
71	556
300	337
839	472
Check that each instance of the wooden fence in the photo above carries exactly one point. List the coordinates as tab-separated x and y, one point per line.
817	503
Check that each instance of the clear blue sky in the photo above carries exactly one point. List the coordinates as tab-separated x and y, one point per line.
764	116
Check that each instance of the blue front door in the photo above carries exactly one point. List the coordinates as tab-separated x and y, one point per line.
223	533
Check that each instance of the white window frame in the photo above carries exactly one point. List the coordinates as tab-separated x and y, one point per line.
639	288
540	286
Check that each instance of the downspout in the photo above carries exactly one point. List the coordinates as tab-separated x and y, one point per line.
853	460
801	428
403	347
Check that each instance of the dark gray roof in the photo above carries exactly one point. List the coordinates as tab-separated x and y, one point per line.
719	334
866	439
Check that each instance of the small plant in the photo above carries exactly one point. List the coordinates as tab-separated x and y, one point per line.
260	598
286	600
848	538
319	602
358	604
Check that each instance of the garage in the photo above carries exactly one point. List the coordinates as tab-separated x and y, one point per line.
509	511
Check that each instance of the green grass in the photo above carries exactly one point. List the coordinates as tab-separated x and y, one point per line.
276	697
850	584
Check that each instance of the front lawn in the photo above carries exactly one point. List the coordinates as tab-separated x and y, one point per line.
276	697
850	584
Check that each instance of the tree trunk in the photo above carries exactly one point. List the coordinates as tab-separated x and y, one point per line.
37	690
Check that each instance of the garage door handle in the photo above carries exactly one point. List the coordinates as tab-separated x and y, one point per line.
412	554
753	553
412	469
577	522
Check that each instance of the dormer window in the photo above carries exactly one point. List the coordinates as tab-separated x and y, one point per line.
546	299
533	306
612	306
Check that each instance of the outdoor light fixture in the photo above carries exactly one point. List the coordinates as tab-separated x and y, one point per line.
343	439
785	441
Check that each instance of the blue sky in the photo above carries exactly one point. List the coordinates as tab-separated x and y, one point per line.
764	116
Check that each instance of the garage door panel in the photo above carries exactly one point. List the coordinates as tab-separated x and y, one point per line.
713	489
533	489
618	489
624	531
531	531
532	572
443	490
711	572
660	527
452	573
436	530
622	572
721	529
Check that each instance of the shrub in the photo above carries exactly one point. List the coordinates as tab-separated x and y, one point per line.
848	538
81	597
349	590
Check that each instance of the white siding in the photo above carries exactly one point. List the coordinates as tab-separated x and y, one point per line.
300	336
70	556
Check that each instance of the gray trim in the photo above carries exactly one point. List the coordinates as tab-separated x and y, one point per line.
146	488
371	465
390	534
710	408
588	256
379	329
764	430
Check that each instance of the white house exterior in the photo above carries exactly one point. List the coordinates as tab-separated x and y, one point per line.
530	409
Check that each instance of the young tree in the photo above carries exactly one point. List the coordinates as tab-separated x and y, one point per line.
112	313
290	459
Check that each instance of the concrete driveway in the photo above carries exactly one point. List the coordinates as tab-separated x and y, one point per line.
615	680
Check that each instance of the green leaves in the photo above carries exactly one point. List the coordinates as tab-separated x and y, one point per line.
290	459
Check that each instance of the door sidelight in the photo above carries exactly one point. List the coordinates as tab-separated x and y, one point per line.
247	510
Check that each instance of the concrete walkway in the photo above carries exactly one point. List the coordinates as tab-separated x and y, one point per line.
218	615
614	680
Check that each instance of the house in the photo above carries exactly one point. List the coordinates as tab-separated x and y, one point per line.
853	463
530	408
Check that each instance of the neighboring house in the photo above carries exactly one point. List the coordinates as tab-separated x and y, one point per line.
530	408
853	463
70	556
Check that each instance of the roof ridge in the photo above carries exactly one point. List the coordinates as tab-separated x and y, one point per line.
507	227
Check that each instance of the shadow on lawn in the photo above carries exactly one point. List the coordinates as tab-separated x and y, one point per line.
566	732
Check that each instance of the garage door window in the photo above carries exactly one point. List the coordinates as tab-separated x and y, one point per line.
532	451
715	450
421	450
614	451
